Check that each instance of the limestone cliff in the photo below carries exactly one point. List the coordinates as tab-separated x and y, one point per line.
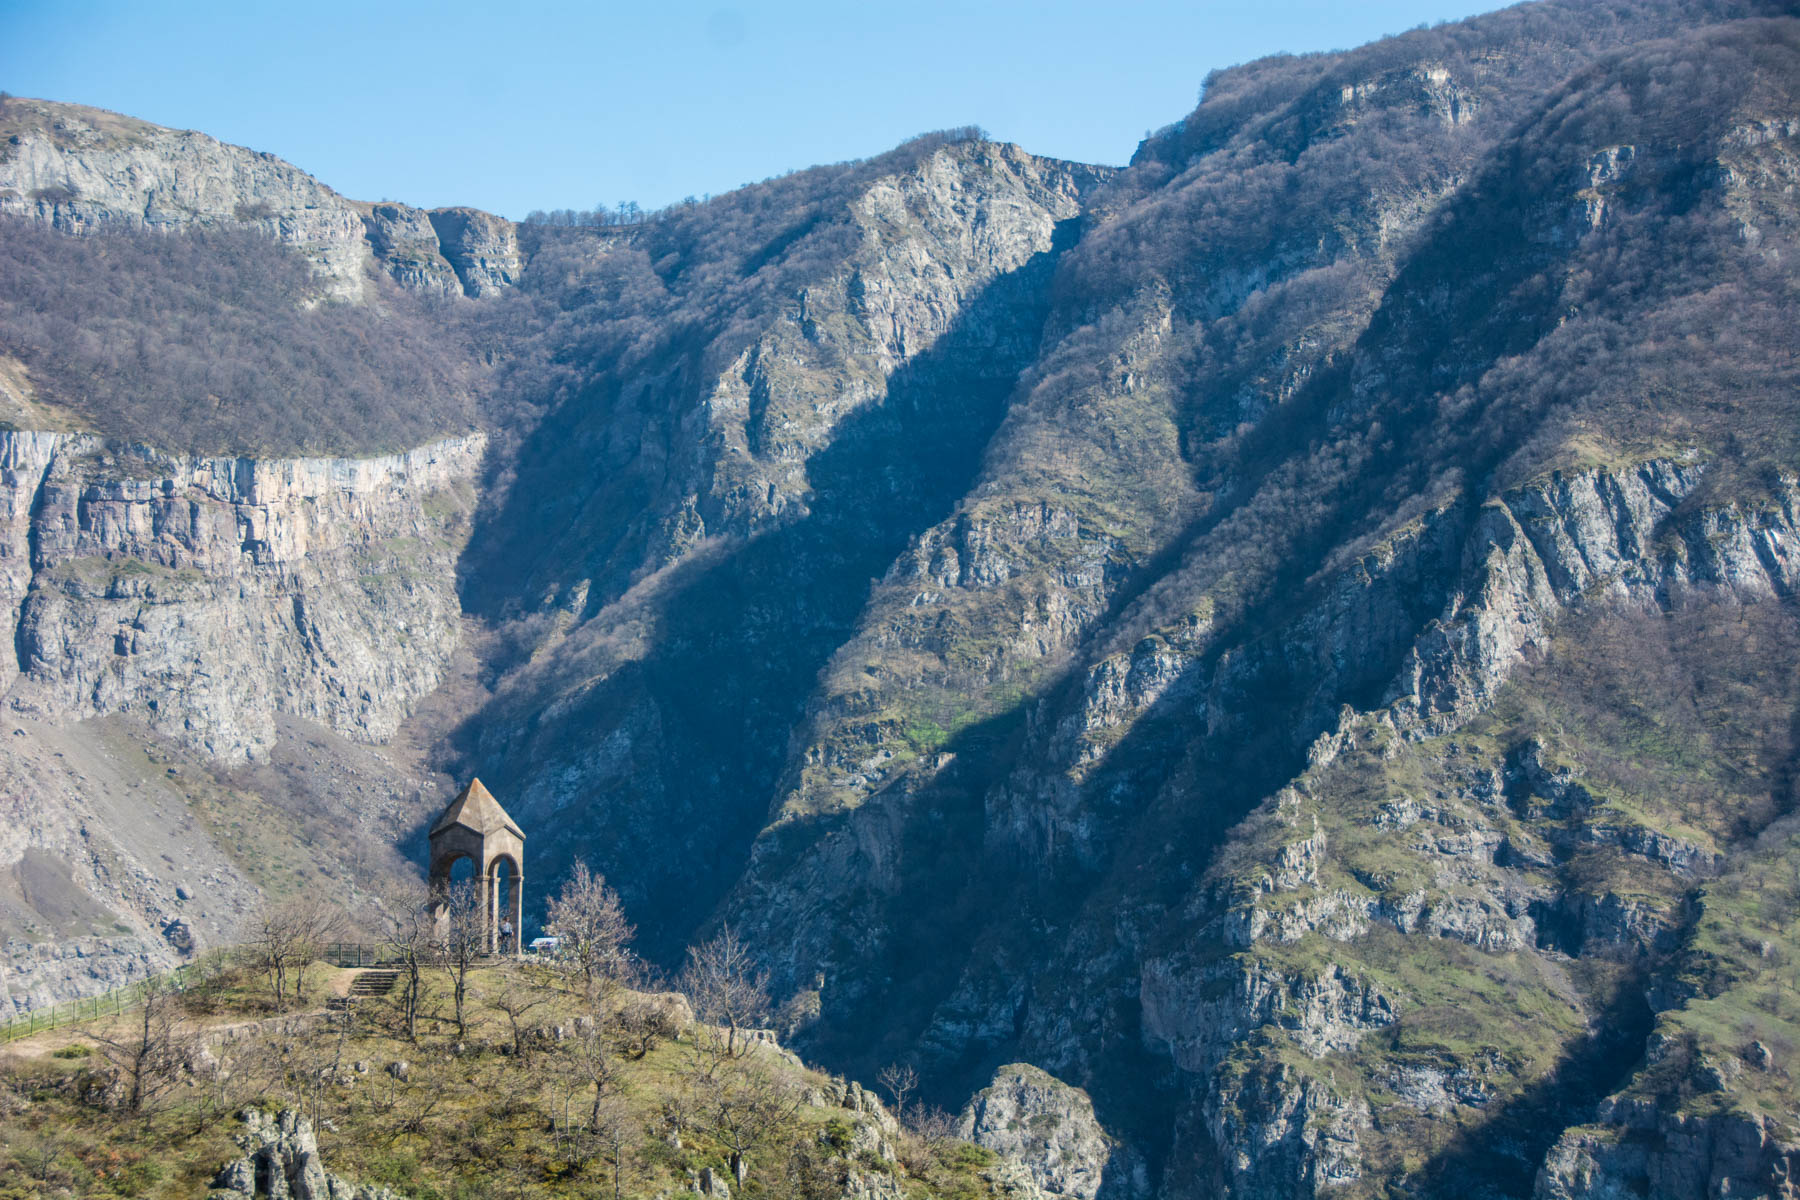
1049	1129
217	610
821	432
404	240
481	248
208	595
81	169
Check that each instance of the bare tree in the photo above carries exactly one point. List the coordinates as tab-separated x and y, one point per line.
517	999
589	924
315	922
143	1051
585	1064
900	1080
41	1154
572	1143
409	930
726	986
751	1106
616	1136
283	938
644	1022
591	1054
464	921
932	1126
268	941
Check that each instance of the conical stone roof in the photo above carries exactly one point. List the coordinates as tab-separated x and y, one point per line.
475	808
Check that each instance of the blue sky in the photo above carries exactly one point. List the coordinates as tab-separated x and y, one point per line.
512	107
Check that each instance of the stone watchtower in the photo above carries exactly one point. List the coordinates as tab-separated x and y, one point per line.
475	827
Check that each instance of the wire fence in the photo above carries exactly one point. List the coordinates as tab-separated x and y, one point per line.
117	1002
125	999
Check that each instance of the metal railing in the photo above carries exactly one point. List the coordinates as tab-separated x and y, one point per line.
357	954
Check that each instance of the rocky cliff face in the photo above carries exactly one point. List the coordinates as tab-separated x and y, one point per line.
481	248
405	242
212	605
1519	857
1049	1128
209	595
844	417
81	169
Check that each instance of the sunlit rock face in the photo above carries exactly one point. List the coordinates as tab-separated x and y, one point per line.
82	169
205	596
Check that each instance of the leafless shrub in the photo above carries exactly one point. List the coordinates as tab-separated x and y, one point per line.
589	923
645	1022
727	987
463	939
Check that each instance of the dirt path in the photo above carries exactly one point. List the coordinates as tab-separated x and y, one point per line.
41	1044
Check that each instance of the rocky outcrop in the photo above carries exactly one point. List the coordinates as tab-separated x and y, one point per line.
1197	1017
932	241
481	248
282	1162
1588	535
205	596
406	245
81	169
1048	1127
1646	1153
1278	1131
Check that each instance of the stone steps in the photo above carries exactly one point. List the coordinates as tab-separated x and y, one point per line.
373	983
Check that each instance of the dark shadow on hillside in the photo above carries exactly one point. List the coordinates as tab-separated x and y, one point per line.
1168	793
744	636
1501	1158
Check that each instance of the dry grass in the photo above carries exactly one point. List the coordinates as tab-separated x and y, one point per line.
470	1119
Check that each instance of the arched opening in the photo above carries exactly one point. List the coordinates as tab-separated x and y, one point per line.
506	895
451	871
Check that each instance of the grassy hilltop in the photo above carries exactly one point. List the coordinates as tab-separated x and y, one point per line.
542	1093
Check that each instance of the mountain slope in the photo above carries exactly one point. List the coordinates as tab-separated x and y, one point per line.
1327	537
696	530
1294	636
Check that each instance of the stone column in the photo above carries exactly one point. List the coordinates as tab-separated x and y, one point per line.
491	885
518	915
494	925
